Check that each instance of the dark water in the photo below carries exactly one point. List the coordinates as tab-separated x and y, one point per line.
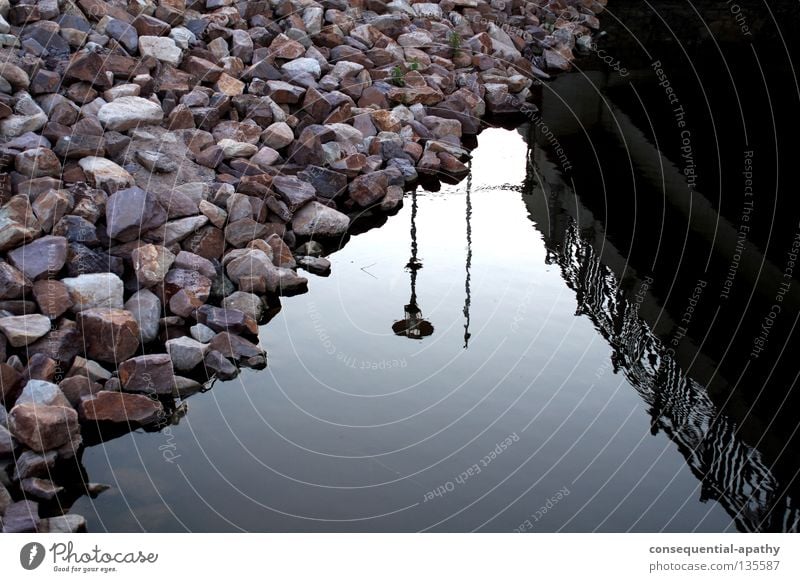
597	361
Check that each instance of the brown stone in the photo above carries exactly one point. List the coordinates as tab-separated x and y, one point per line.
41	427
151	263
151	374
121	408
110	335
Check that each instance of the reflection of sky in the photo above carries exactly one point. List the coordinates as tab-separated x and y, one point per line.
351	421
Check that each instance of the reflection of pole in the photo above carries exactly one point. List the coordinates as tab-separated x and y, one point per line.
413	325
413	264
467	298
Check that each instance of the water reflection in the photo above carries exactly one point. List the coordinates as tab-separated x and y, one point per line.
413	325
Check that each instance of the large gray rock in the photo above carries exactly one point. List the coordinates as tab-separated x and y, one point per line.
22	330
95	290
132	212
129	112
146	309
315	219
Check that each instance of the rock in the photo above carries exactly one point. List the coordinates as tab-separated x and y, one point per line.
162	48
40	488
315	219
226	319
62	524
241	232
52	297
192	262
369	188
151	374
278	135
7	447
104	290
265	158
248	303
146	309
31	464
18	225
122	408
123	33
316	265
50	206
43	257
151	263
105	174
185	353
302	66
220	366
21	517
38	162
237	348
76	388
22	330
202	333
43	428
156	162
293	191
236	149
129	112
42	393
110	335
88	369
12	282
327	183
132	212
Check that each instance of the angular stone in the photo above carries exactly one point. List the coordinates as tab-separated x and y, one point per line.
40	488
129	112
221	367
78	387
369	188
192	262
278	135
122	408
110	335
12	282
43	428
237	348
230	320
105	174
248	303
132	212
22	330
123	33
315	219
63	524
151	263
146	309
162	48
50	206
327	183
44	257
151	374
21	517
185	353
95	290
42	393
241	232
294	192
38	162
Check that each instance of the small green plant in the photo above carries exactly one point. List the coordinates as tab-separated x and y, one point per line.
455	41
414	64
398	76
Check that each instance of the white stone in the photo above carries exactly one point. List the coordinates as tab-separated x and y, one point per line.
105	174
95	290
129	112
162	48
302	65
22	330
236	149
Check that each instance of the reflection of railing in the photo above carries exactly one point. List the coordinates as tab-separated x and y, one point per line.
731	472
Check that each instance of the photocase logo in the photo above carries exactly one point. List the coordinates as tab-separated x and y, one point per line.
31	555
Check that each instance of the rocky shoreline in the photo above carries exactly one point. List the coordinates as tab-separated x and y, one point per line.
168	166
